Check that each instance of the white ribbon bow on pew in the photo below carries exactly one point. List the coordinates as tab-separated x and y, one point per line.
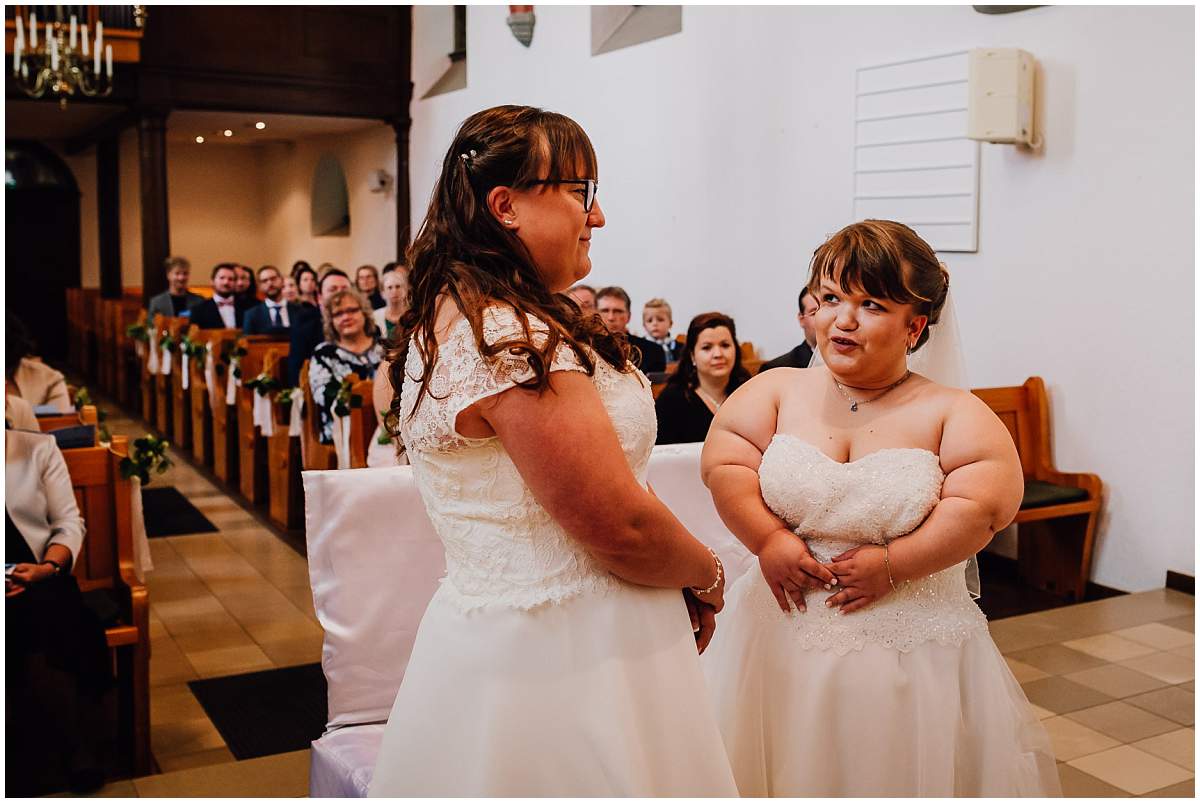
183	366
210	374
263	415
166	362
139	348
296	421
341	439
152	367
234	382
142	562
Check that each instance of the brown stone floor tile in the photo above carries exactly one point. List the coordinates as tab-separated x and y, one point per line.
1062	696
1178	747
1132	770
1123	722
1077	783
1187	789
1055	659
1115	681
1173	703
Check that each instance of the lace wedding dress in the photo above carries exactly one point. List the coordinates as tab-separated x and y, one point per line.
536	672
908	697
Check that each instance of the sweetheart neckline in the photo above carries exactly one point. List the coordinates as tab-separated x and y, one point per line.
814	448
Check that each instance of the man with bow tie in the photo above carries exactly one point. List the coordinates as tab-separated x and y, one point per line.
274	316
223	310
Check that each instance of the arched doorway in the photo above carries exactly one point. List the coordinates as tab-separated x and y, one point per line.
42	250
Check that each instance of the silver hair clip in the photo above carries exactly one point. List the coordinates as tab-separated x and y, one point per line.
468	156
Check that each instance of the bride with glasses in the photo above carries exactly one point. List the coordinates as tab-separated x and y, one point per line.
558	656
855	663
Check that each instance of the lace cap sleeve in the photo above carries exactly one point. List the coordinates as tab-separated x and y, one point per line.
474	377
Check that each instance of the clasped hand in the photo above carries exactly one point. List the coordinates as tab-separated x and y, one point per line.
25	574
791	572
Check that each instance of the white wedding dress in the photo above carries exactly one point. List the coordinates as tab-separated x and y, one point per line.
908	697
535	672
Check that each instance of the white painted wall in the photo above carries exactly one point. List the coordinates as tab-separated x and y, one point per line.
286	177
83	166
726	153
216	205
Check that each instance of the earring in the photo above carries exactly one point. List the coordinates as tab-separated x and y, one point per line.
507	222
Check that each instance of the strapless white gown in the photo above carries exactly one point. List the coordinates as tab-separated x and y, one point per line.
535	672
908	697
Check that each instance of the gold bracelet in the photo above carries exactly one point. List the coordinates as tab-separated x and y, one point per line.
717	582
888	565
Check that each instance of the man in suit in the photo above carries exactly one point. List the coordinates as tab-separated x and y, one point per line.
223	310
274	316
308	328
177	301
612	303
799	357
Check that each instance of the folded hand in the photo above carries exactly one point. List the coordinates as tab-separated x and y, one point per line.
791	571
863	576
704	620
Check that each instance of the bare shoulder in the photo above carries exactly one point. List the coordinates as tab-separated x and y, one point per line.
971	431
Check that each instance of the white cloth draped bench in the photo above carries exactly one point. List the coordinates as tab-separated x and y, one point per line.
375	562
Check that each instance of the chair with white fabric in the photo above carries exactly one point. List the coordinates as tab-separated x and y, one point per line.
373	575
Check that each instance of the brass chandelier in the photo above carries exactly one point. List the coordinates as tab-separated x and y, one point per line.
65	60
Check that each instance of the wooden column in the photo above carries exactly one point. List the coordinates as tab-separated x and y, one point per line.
156	236
108	205
403	200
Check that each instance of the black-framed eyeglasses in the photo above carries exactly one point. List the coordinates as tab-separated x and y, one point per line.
589	185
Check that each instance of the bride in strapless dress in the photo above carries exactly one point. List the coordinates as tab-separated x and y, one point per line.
856	662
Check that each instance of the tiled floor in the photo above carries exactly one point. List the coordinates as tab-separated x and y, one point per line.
1113	680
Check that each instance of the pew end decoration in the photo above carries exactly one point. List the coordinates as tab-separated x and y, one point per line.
148	456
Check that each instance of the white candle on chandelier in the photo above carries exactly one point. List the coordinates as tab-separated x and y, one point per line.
33	30
72	31
53	53
17	55
108	58
49	34
84	39
99	44
19	41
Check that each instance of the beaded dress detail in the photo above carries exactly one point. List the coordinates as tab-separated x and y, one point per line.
907	697
502	547
838	506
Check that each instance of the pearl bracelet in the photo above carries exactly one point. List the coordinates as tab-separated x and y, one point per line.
720	576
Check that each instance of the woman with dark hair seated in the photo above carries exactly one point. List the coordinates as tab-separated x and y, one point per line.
351	346
306	282
710	369
26	375
57	665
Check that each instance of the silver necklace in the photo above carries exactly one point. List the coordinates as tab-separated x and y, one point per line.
708	398
854	403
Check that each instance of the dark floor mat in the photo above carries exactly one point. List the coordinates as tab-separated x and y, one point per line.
168	512
264	713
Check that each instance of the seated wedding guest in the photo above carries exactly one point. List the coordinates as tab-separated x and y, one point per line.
274	315
306	284
176	301
710	368
225	310
585	297
57	666
18	414
366	279
395	294
25	374
291	292
351	346
308	329
613	305
656	320
800	356
380	454
244	287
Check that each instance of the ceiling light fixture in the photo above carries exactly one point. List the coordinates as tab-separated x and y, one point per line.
227	132
199	140
260	125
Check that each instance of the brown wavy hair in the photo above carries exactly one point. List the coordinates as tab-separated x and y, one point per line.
886	260
461	250
687	376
